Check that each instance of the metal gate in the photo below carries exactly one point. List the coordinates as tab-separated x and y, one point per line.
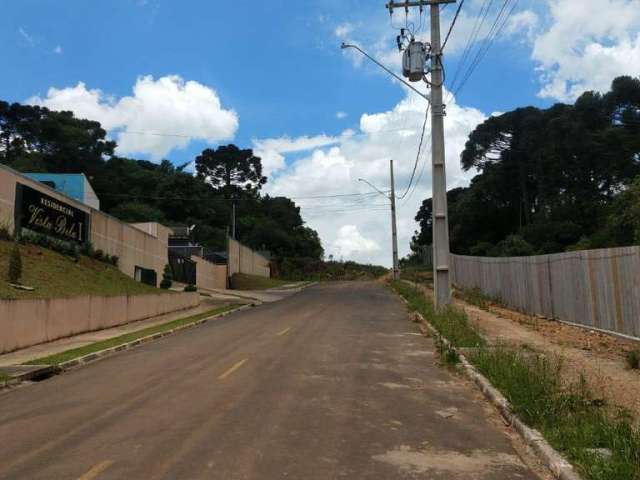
182	268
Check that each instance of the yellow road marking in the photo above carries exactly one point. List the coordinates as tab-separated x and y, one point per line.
96	470
283	331
232	369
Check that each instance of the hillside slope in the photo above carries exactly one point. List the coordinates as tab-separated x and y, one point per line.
55	275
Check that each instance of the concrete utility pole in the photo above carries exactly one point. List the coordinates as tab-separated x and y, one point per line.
233	221
441	280
394	231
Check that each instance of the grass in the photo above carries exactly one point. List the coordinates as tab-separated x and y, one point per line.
4	377
67	355
474	296
633	359
566	414
241	281
451	323
418	274
55	275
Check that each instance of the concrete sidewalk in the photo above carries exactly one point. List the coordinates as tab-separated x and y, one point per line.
28	354
213	299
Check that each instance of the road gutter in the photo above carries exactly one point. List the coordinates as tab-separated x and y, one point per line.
553	460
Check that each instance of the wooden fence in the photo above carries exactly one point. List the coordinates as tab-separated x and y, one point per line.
594	288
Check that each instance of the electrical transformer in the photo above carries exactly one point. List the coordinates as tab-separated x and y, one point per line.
414	60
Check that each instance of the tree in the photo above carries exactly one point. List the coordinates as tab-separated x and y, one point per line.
231	169
15	264
167	278
133	212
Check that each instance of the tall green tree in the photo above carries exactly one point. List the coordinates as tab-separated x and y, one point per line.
231	169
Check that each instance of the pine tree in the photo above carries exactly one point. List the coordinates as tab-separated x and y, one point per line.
167	278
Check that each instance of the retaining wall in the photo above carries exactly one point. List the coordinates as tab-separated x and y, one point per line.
24	323
209	275
594	288
242	259
143	244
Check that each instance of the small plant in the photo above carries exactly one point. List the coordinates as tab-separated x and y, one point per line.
98	255
167	278
448	354
87	249
633	359
15	264
190	288
5	231
114	260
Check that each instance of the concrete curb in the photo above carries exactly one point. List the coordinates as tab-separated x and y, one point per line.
551	458
49	370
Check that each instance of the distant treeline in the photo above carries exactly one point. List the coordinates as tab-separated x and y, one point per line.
551	180
35	139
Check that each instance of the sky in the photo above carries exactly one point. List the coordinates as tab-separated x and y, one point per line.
168	79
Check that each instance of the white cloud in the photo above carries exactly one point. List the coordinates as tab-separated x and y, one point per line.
350	241
343	30
335	169
585	44
30	39
341	115
58	50
271	150
160	116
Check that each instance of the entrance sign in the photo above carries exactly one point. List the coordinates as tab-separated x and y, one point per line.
41	213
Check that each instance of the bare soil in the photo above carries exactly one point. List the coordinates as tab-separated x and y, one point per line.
599	357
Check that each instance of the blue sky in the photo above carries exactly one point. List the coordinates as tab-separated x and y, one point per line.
271	75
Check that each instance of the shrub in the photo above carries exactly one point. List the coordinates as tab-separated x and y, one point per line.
114	260
5	231
87	249
633	359
98	255
167	278
190	288
15	264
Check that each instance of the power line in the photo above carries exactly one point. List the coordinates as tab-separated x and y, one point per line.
477	27
453	22
415	165
494	31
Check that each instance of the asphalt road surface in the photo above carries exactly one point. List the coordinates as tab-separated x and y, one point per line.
333	382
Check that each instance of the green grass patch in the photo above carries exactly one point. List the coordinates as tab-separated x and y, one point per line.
241	281
67	355
633	359
418	274
568	417
474	296
4	378
54	275
451	322
571	420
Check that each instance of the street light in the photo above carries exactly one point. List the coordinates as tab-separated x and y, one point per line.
394	234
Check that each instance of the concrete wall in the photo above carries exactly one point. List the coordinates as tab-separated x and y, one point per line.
595	288
209	275
144	244
28	322
242	259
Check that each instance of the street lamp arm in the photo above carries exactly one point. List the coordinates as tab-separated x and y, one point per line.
374	187
346	45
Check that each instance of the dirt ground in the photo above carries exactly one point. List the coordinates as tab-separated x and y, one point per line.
599	357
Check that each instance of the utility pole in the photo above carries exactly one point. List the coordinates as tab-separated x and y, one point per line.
394	232
233	220
442	283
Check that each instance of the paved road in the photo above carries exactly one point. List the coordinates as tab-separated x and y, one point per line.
331	383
